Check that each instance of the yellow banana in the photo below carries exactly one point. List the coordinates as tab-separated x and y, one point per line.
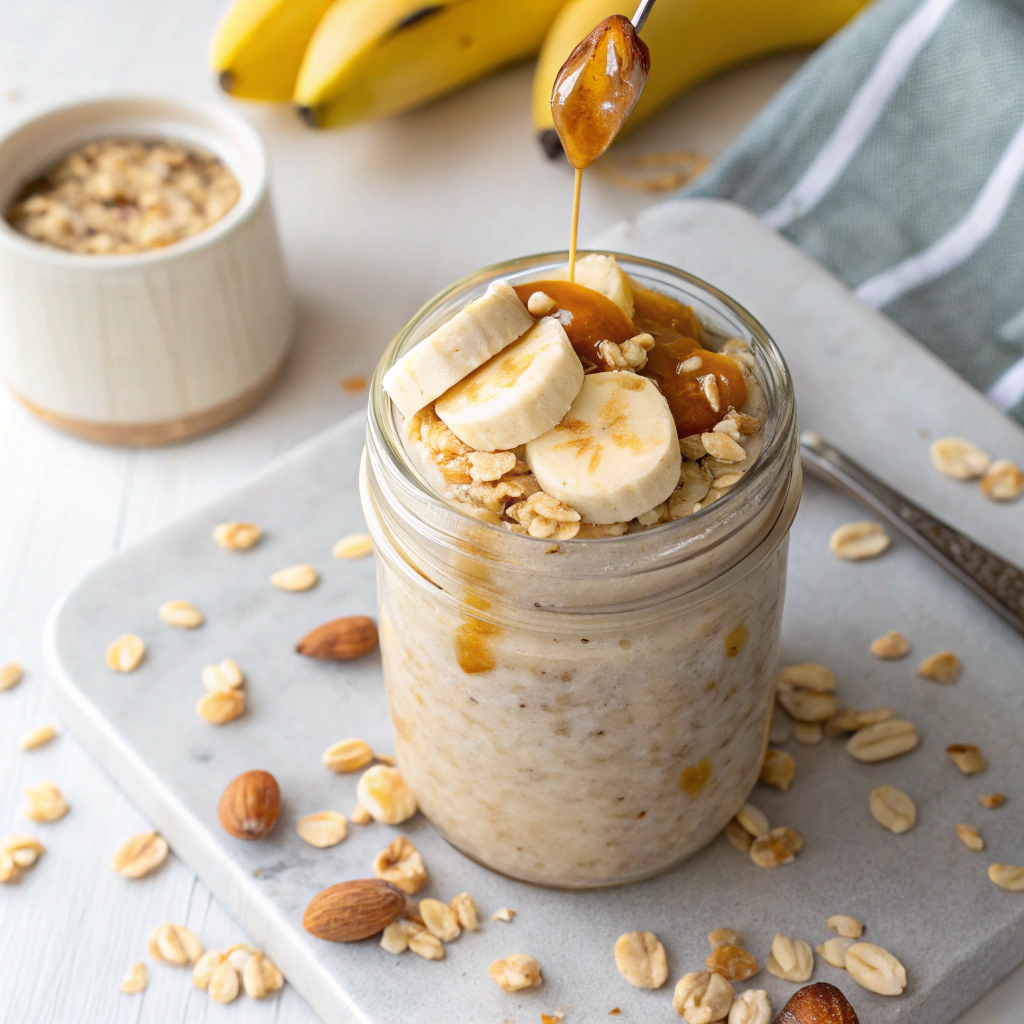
689	40
258	46
374	57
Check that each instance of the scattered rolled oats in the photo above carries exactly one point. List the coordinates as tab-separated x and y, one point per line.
237	536
423	942
328	828
808	733
722	447
970	837
21	850
219	707
10	675
875	969
790	959
833	951
181	614
892	809
702	997
723	937
753	820
138	855
395	939
239	954
776	849
440	919
545	517
732	962
943	667
465	912
44	802
967	757
892	645
807	675
125	653
1006	876
992	800
1002	481
295	578
175	944
360	816
854	542
383	792
38	737
778	769
225	675
8	869
738	836
204	967
751	1007
844	926
135	980
358	545
486	467
540	303
504	914
958	458
808	705
850	721
224	983
879	742
260	977
348	755
640	958
516	972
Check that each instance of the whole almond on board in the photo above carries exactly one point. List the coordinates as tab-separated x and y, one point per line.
139	855
640	958
819	1003
350	911
340	639
732	963
250	805
875	969
882	741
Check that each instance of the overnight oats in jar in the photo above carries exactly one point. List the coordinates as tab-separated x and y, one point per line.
580	495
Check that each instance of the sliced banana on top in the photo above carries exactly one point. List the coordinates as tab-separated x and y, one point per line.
615	454
486	326
517	395
602	274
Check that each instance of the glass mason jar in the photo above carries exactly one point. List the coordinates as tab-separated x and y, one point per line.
588	712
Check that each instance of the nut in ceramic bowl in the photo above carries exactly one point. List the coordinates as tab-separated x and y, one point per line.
152	346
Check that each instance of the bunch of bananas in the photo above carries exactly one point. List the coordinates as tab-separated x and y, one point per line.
341	61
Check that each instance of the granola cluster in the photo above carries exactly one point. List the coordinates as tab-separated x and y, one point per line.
499	488
122	196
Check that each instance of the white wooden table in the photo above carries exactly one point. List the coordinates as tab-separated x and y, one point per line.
375	220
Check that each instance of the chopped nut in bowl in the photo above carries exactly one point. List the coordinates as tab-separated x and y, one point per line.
548	525
141	208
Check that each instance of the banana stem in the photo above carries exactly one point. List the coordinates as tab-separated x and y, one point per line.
573	231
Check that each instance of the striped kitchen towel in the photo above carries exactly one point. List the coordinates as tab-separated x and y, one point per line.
895	157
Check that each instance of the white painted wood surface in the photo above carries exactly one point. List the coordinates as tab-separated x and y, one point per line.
374	221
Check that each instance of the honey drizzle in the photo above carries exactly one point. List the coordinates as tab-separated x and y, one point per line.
577	188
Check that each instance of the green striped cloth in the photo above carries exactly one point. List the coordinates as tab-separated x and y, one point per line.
895	157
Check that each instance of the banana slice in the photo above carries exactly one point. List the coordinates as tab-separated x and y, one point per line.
602	274
486	326
517	395
615	454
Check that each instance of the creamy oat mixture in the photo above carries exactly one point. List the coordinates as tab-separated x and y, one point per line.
125	196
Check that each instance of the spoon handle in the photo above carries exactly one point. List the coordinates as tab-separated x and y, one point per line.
998	583
641	14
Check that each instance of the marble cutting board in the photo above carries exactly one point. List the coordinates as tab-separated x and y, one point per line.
922	895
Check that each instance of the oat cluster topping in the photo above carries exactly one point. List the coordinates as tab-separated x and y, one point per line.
119	196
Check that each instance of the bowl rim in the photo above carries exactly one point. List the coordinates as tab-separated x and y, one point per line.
217	119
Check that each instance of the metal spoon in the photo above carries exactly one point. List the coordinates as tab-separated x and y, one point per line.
997	582
642	12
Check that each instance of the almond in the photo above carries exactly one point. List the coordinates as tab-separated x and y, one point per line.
350	911
250	805
819	1003
340	639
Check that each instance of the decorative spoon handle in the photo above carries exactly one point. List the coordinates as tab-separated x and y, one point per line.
998	583
641	14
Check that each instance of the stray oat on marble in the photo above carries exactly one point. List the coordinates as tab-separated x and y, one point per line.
833	951
702	997
175	944
755	821
778	769
182	614
992	801
135	980
875	969
401	864
219	707
327	828
808	734
516	972
384	793
892	645
1007	876
967	757
958	458
640	958
855	542
38	737
348	755
125	653
237	536
790	959
751	1007
44	802
503	914
1003	481
10	675
732	962
886	739
970	837
845	926
465	912
776	849
943	667
892	809
295	578
358	545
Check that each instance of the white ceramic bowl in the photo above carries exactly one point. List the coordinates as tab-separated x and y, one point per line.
151	347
